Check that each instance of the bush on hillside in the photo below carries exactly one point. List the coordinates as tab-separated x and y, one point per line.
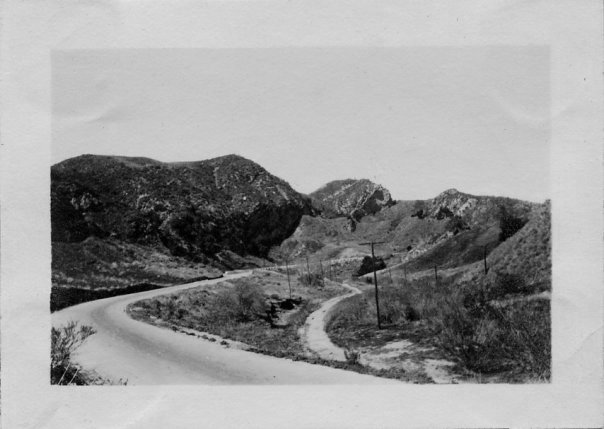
514	338
243	303
444	212
509	224
367	265
508	284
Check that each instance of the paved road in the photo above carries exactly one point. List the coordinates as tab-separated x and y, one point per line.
145	354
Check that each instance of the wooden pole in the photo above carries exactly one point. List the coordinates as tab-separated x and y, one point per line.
308	269
486	269
390	274
288	282
375	283
435	274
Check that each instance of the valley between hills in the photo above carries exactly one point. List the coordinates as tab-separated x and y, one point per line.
230	258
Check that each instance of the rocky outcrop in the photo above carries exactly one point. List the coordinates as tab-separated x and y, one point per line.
470	210
193	208
351	198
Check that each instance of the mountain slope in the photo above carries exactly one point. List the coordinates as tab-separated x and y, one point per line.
226	203
351	198
448	230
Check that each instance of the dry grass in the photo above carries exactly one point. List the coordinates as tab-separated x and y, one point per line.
468	323
63	371
96	268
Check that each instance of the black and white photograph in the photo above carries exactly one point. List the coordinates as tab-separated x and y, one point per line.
333	214
336	215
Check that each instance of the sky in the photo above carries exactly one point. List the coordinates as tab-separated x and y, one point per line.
417	120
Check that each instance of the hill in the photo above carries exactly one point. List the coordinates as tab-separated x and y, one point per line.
350	198
448	230
128	224
226	203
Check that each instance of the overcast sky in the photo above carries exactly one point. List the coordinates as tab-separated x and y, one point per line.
416	120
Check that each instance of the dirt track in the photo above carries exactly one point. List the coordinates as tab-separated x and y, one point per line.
315	337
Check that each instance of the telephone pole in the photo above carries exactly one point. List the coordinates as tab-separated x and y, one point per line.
486	269
288	282
375	283
308	269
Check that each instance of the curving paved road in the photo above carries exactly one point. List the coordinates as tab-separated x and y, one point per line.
145	354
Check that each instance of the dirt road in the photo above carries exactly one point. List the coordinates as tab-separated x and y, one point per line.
314	335
144	354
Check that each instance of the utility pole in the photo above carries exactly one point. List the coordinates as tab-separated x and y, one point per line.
330	270
435	274
288	282
308	269
390	274
486	269
375	283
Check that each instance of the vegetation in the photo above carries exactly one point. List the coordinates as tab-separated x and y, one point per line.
493	328
255	310
312	279
64	342
190	209
367	265
509	224
95	268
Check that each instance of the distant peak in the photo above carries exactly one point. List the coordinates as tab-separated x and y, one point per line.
451	191
231	157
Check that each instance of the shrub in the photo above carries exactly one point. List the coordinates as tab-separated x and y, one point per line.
352	356
314	279
367	265
506	284
411	314
242	303
487	338
468	338
444	212
64	342
509	224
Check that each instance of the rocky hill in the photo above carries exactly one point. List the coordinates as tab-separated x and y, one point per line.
351	198
226	203
448	230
